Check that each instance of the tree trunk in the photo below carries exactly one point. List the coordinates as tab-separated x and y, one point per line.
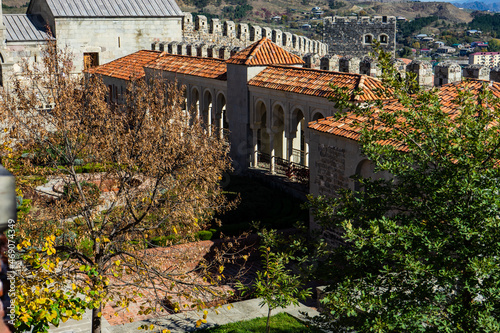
268	326
96	320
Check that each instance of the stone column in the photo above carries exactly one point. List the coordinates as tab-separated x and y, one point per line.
201	105
210	113
271	157
188	99
221	124
289	147
306	153
255	160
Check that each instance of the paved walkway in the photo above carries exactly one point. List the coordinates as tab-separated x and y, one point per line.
80	326
186	321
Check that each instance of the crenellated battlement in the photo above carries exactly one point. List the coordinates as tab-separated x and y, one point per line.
217	34
368	20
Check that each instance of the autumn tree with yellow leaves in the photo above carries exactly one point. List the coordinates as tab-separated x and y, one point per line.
116	177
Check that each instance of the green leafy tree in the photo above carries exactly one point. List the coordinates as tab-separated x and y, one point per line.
276	283
494	45
421	247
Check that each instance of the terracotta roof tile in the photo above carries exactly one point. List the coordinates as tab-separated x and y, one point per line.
349	126
264	52
196	66
130	67
315	82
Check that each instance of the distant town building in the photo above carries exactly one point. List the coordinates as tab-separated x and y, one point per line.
476	44
465	51
474	32
488	59
446	50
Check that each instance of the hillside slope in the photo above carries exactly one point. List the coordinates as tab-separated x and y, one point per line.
265	9
411	10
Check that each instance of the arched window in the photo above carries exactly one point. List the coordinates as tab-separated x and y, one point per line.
383	39
368	39
317	115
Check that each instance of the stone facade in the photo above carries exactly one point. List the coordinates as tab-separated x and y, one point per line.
330	63
113	38
349	64
447	72
495	74
423	70
354	36
369	66
400	67
330	169
312	60
476	72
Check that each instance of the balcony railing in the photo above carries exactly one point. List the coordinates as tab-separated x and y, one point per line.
293	171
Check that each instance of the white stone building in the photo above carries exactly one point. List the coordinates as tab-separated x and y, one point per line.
95	31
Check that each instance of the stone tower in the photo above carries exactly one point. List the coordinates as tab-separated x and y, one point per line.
369	66
476	72
355	36
349	64
400	67
330	63
423	70
495	74
447	72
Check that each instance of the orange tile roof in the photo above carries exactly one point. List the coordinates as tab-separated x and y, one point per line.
448	93
405	60
349	126
316	82
264	52
203	67
130	67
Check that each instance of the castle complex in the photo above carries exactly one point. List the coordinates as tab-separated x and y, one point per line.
261	87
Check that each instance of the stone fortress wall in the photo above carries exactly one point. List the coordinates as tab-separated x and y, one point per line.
219	39
353	36
443	73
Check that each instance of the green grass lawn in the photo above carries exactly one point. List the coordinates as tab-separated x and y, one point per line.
280	323
271	207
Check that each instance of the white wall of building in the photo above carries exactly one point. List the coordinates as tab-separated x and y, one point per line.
113	38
